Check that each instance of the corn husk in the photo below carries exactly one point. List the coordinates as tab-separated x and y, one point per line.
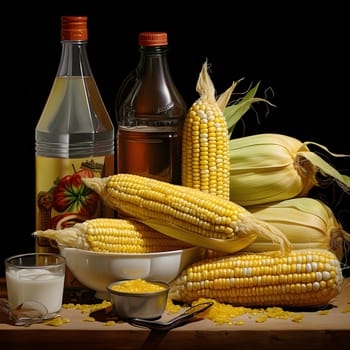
234	111
307	223
271	167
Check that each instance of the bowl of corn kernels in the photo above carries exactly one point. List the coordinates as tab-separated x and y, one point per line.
138	298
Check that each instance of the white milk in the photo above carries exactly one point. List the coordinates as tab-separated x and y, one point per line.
35	284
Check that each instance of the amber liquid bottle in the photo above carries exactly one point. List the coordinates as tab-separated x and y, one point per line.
150	113
74	137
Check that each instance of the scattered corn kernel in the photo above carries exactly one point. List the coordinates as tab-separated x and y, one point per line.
298	317
221	313
171	307
261	319
238	323
57	321
323	312
87	308
346	309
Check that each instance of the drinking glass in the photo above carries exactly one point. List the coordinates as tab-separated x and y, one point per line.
36	277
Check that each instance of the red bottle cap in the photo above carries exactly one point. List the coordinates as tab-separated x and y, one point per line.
74	28
153	39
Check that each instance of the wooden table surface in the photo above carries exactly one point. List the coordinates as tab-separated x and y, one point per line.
315	331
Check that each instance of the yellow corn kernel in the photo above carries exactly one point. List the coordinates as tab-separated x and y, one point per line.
205	141
184	213
303	278
113	235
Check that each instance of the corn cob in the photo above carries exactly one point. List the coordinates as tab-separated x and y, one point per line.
307	222
113	236
197	217
303	278
205	144
267	168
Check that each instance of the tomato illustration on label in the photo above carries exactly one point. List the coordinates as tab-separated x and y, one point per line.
71	195
64	220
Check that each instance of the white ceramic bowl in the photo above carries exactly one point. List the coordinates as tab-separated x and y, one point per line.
96	270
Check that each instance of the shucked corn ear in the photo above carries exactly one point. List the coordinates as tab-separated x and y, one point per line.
184	213
303	278
113	236
307	222
205	140
272	167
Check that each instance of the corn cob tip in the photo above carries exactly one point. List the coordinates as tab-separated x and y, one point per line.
339	242
206	89
267	231
97	184
205	86
69	236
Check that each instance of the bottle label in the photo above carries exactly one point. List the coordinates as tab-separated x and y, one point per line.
151	152
62	199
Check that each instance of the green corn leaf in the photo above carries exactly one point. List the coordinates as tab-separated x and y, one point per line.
235	111
325	168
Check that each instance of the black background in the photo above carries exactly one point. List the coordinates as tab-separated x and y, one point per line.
300	61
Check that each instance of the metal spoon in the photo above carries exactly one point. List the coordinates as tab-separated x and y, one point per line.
26	313
175	322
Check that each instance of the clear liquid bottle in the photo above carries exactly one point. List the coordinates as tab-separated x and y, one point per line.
150	113
74	137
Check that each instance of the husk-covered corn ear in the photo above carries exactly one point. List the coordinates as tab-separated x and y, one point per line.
307	223
272	167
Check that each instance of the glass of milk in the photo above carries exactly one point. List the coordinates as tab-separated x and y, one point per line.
36	277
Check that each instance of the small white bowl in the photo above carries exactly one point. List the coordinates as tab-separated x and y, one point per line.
146	305
96	270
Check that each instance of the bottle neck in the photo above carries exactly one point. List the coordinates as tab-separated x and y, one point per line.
153	61
148	95
74	59
154	50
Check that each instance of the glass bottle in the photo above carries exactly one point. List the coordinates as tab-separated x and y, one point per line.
150	113
74	137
